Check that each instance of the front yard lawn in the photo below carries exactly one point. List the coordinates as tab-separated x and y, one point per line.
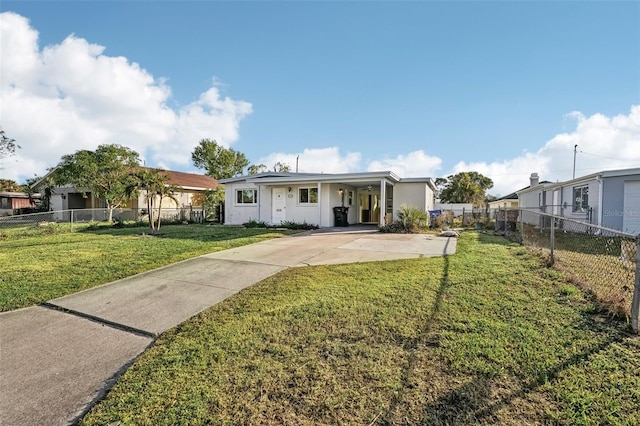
39	264
486	336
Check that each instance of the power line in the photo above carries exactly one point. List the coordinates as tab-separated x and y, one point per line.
608	158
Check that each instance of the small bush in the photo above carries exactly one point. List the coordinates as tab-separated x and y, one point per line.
302	226
396	227
51	228
118	223
412	218
443	220
255	224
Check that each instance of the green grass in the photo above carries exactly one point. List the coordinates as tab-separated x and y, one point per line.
482	337
40	264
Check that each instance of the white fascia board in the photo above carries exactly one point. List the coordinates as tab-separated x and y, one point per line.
328	178
621	172
264	175
558	185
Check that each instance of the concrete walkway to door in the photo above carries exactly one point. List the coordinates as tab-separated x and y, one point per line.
58	358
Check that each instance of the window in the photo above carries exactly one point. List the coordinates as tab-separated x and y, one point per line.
350	197
581	199
307	195
246	196
4	203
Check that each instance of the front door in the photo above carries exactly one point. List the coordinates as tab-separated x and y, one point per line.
278	205
369	207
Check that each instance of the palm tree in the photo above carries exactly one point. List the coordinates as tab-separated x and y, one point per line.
157	187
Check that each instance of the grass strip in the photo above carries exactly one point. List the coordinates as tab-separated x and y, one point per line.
487	336
41	264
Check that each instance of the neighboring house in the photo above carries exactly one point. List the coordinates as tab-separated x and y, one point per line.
507	202
193	186
371	197
12	201
610	198
512	200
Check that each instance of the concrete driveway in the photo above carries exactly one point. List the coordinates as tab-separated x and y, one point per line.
57	359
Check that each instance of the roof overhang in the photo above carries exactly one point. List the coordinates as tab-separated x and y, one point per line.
355	179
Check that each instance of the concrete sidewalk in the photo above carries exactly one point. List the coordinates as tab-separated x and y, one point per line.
57	359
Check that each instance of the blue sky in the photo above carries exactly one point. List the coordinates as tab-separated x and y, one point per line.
423	88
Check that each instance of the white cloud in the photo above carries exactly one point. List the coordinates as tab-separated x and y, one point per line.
71	96
603	143
414	164
323	160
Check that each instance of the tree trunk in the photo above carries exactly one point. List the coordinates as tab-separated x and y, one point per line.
150	208
109	213
159	210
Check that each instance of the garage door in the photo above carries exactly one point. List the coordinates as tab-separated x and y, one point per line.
631	217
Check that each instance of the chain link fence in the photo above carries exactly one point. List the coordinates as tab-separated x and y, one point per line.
603	261
184	214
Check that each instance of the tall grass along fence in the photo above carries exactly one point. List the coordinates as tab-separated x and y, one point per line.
188	214
603	261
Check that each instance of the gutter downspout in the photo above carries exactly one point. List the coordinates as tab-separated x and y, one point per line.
383	202
259	192
600	198
320	201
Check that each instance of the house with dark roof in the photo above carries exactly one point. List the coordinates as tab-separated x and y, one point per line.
192	189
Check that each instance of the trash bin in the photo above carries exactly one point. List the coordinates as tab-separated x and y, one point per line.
340	216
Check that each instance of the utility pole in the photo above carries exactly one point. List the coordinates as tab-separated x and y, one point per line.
297	158
575	151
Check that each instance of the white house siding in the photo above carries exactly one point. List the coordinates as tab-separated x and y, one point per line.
413	194
240	213
558	199
306	212
531	199
566	201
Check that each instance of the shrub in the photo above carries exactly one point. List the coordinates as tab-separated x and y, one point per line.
52	228
412	218
443	220
294	225
255	224
396	227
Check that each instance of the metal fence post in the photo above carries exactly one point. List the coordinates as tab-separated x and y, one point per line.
70	220
635	304
552	243
521	226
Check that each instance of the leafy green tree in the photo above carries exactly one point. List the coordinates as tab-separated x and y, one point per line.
254	169
8	145
281	167
464	187
9	185
210	201
105	172
217	161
